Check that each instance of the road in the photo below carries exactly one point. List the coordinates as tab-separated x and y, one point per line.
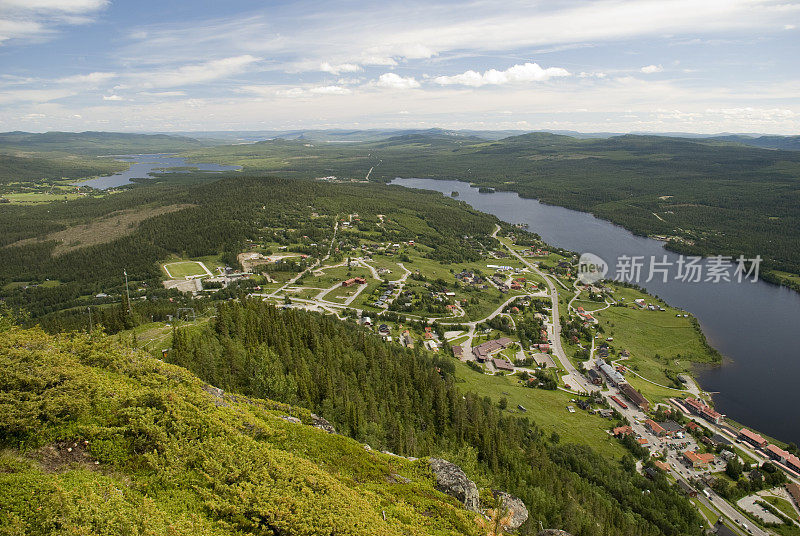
576	379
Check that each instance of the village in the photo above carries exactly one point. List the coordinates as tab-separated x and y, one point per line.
520	312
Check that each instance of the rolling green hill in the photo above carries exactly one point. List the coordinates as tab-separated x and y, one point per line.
96	143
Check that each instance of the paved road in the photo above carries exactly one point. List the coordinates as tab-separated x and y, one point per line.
576	379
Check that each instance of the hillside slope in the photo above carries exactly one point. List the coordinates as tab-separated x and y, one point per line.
100	439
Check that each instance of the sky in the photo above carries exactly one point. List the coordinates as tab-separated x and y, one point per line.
703	66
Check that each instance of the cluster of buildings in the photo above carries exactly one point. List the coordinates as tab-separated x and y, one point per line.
536	252
776	453
616	379
664	429
354	281
587	317
644	305
386	296
471	278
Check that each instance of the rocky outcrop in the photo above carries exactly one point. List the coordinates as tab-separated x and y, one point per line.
515	511
322	424
450	479
554	532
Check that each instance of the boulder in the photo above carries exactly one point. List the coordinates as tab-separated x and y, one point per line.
516	511
450	479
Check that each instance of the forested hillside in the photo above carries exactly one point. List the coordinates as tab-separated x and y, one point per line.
24	168
96	143
408	402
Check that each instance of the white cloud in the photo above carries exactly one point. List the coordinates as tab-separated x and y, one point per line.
87	79
34	95
650	69
528	72
112	98
197	73
293	92
329	90
67	6
162	93
37	19
340	68
753	114
394	81
789	27
277	91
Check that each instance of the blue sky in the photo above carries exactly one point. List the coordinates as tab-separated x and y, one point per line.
610	65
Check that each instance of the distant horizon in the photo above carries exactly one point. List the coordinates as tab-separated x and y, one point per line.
565	132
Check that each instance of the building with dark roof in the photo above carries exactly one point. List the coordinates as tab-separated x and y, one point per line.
594	377
482	351
634	396
721	529
502	364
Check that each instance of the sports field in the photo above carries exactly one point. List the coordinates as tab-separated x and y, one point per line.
181	269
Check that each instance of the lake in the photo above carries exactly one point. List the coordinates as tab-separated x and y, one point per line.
144	165
753	325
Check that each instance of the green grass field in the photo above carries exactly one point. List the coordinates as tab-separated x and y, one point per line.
783	505
36	198
548	409
656	340
180	269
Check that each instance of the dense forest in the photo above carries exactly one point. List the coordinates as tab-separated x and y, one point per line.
15	168
408	402
220	217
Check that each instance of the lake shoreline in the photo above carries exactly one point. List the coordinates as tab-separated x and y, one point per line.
745	390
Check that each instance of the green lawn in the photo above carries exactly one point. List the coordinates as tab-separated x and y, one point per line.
548	409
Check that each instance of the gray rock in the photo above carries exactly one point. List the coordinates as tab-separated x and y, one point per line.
450	479
288	418
218	395
554	532
322	424
518	513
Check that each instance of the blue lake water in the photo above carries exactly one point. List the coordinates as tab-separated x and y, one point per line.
143	165
754	325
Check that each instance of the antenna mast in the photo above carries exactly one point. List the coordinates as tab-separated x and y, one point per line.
128	293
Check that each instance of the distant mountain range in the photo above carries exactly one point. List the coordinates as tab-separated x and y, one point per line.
116	143
789	143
